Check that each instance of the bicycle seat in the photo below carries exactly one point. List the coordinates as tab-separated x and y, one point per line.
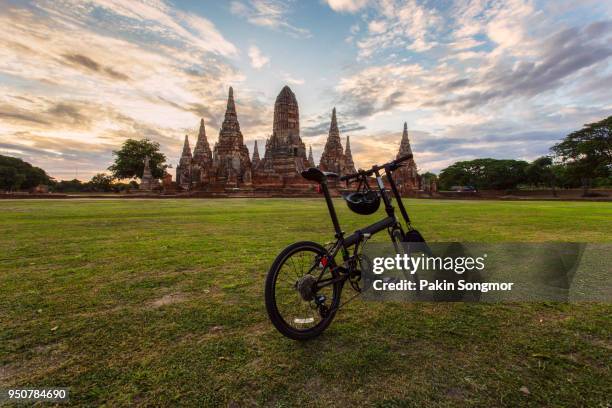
316	175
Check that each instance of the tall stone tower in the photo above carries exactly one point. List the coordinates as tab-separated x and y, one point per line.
285	152
255	160
183	170
407	177
333	157
350	164
405	143
231	160
311	162
202	158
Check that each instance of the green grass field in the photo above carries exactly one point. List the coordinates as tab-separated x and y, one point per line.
160	302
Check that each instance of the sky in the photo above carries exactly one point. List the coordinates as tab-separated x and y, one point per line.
481	78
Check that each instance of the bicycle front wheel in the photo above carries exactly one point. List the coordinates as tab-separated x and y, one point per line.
295	305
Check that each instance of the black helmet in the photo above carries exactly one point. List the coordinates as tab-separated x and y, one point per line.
363	202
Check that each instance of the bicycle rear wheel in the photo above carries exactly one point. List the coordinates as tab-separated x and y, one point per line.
295	307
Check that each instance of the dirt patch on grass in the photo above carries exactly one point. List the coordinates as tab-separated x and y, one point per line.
597	342
6	372
168	299
45	359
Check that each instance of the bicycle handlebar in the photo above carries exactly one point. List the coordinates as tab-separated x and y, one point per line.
391	166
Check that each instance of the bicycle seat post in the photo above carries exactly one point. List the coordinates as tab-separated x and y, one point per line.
332	210
398	196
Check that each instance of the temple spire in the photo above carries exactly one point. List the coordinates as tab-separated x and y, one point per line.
183	170
310	157
230	128
347	149
230	111
405	143
332	158
333	127
201	152
407	177
186	148
350	165
333	138
255	159
231	157
202	131
231	106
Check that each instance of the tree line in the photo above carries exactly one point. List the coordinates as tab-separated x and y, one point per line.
18	175
582	159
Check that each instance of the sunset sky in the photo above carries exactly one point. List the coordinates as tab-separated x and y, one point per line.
503	79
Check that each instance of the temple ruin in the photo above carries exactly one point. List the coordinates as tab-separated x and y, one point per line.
285	153
229	168
147	182
334	157
407	176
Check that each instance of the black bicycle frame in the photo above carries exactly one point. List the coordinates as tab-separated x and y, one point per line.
390	222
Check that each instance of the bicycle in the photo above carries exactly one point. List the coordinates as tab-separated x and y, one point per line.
304	284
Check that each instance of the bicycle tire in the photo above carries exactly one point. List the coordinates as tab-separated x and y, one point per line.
275	316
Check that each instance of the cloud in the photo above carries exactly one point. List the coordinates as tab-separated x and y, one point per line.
288	78
66	158
554	59
502	79
88	63
377	27
379	88
350	6
258	60
155	19
11	115
322	128
270	14
403	25
95	73
561	55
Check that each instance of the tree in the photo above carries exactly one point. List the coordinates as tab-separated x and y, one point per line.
588	152
540	172
426	179
129	160
429	176
70	186
16	174
101	182
484	174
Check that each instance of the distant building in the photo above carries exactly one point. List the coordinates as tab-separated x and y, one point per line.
334	157
285	154
183	170
202	160
407	176
231	166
